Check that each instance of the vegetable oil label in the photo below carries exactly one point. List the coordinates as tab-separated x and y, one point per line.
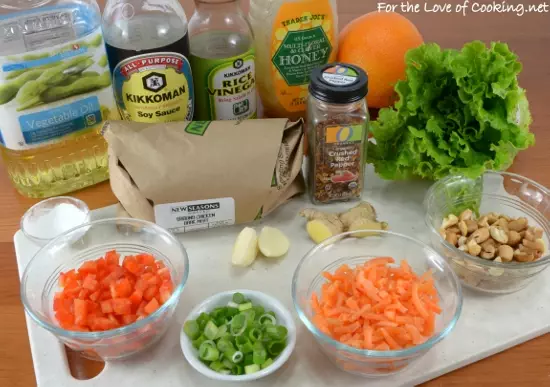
303	38
54	78
154	87
195	215
225	88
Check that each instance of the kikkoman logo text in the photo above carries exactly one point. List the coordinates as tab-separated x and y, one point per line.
196	207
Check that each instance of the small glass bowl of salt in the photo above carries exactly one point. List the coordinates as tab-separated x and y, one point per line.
52	217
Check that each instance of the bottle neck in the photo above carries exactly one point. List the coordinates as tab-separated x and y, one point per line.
217	5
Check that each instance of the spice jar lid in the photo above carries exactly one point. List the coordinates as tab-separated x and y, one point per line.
338	83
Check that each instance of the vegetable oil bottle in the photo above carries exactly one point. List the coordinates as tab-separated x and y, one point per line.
222	59
148	49
55	92
292	37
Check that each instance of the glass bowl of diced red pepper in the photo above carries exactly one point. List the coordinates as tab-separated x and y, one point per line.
108	288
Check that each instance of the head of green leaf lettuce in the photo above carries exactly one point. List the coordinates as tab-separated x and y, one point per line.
458	112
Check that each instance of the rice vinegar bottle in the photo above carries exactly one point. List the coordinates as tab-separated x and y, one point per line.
222	59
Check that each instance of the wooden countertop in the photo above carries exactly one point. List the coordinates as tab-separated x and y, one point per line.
528	35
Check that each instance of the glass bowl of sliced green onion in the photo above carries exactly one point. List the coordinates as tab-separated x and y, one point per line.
238	336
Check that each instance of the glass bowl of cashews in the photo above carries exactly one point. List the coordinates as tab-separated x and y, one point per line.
493	230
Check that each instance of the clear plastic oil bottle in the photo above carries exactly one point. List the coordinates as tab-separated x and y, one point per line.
222	58
55	93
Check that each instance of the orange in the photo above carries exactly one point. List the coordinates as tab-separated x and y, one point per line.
377	42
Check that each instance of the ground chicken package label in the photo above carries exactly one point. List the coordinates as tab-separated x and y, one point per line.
196	175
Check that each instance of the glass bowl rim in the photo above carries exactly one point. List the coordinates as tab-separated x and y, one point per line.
79	203
477	260
367	352
58	331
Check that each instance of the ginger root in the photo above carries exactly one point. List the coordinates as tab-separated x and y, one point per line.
323	225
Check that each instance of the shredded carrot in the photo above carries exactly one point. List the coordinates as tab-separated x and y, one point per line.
376	306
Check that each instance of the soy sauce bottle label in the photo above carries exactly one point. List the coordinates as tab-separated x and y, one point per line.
154	87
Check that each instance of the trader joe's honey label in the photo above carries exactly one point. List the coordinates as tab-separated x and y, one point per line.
303	38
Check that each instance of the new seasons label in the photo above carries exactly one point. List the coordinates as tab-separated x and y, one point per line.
154	88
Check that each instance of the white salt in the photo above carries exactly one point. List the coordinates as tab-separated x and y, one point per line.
48	223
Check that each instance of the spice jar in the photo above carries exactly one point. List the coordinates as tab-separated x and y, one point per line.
337	132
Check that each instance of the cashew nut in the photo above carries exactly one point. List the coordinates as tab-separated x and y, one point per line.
529	234
488	245
506	253
518	224
492	217
514	238
452	238
483	222
466	214
463	248
463	228
537	231
498	234
487	254
522	256
542	243
462	241
449	221
480	235
537	245
473	248
494	271
502	223
454	229
472	225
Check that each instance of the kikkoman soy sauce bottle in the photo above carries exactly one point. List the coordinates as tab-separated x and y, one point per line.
291	38
148	48
222	58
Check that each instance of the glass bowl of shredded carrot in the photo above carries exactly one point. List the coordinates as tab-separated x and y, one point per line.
501	193
108	288
376	303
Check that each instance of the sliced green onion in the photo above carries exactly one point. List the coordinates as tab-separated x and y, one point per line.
224	344
243	344
237	369
267	319
276	347
230	312
202	320
276	332
237	357
238	298
238	325
217	366
232	304
258	309
197	343
211	330
221	357
255	334
225	372
245	306
208	352
192	329
227	363
249	314
222	332
259	354
250	369
248	359
267	363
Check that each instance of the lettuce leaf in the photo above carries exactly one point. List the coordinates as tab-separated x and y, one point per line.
459	112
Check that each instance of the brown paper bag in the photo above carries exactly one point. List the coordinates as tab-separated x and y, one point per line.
195	175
